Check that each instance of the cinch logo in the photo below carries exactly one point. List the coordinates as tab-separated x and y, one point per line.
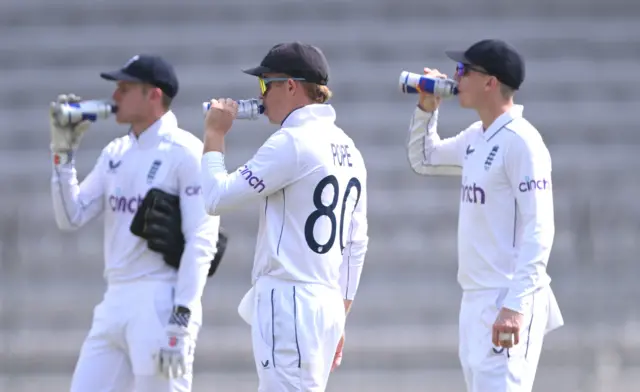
124	204
473	194
529	184
193	190
255	182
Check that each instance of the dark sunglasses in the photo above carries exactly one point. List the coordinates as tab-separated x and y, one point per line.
463	69
264	82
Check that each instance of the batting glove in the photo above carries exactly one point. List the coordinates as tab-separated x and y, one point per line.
65	139
174	359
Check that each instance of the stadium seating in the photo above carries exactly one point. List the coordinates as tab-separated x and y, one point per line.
580	91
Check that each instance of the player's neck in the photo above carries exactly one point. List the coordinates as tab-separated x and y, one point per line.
139	127
490	113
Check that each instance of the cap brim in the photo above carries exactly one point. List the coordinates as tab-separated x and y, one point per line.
119	76
258	71
457	56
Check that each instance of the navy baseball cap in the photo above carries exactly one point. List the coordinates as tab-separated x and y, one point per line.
496	57
149	69
295	59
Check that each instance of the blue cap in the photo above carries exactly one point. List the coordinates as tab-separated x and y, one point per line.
496	57
296	59
149	69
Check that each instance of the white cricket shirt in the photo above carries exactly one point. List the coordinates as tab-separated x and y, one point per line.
164	157
506	222
312	183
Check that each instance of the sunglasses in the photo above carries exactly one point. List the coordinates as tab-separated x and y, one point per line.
264	82
463	69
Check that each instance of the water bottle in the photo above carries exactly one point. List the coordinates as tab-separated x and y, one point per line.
92	110
248	109
412	83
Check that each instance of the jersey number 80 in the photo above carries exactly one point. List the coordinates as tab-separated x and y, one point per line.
329	212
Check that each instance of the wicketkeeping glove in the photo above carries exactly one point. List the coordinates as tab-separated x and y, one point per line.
158	220
175	357
65	139
163	228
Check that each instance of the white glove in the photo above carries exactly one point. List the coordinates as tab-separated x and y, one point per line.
65	139
175	356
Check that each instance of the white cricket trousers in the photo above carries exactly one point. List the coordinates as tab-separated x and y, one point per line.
492	369
295	332
128	328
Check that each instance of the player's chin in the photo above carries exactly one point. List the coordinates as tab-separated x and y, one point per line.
463	100
271	119
122	118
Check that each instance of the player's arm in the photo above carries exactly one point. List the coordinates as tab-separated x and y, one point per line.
200	232
528	167
73	204
274	166
356	242
76	204
428	154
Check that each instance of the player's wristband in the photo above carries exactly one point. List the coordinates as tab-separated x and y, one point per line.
62	157
180	316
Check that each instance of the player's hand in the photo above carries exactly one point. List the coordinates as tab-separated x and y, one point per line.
65	138
174	359
506	329
427	101
220	115
337	359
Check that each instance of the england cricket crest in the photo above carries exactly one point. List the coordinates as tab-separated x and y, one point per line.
489	160
153	170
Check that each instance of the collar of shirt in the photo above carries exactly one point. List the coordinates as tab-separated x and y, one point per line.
156	130
316	111
504	119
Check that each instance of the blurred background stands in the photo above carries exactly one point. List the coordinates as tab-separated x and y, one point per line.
580	91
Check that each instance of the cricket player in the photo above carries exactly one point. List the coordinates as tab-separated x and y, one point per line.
505	227
144	331
311	182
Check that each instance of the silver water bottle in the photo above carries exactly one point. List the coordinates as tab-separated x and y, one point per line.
248	109
91	110
412	83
